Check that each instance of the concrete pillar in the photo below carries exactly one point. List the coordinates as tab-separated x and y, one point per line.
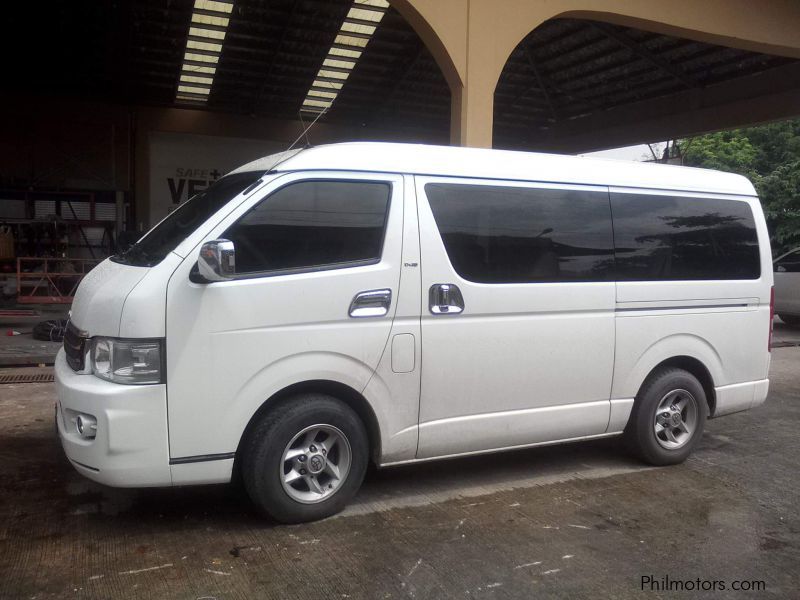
472	108
445	28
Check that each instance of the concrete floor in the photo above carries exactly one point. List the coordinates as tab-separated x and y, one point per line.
579	521
17	345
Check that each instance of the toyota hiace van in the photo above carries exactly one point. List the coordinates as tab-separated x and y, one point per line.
324	308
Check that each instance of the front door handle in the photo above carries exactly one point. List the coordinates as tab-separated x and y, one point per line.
372	303
445	299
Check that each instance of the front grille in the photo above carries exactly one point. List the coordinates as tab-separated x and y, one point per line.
74	347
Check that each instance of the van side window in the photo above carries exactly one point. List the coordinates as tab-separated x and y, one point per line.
312	224
669	238
503	234
789	263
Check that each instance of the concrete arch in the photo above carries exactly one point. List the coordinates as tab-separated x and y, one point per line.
772	29
440	47
445	45
478	36
760	39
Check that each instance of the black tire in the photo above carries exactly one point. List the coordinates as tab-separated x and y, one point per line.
790	320
640	435
50	331
264	448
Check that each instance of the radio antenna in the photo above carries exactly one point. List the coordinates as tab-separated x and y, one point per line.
304	134
303	123
281	156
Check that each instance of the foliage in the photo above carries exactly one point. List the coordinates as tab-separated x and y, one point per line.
769	155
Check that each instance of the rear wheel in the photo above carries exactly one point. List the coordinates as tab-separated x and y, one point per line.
668	417
790	320
305	459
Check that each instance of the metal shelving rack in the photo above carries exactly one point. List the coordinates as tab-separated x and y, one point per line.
58	237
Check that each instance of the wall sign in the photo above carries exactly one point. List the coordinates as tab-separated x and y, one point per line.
181	165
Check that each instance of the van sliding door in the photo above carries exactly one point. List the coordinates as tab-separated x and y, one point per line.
518	313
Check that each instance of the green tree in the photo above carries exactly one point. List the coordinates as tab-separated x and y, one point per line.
780	193
769	155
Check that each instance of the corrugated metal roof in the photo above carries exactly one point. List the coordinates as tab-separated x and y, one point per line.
131	51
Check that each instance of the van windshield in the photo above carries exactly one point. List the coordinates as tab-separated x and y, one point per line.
184	220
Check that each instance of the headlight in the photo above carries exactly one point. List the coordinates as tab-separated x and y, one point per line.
133	362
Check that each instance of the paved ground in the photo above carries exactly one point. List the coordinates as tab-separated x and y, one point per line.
580	521
783	335
22	349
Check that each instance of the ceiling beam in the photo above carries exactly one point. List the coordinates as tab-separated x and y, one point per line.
254	105
540	82
398	78
769	95
639	50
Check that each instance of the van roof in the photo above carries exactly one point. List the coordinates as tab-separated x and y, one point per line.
454	161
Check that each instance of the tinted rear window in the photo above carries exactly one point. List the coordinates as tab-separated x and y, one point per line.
678	238
503	234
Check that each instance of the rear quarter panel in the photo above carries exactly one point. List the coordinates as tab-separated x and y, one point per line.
723	324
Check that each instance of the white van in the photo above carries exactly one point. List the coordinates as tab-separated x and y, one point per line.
323	308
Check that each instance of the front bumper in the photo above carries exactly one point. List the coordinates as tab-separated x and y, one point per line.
131	448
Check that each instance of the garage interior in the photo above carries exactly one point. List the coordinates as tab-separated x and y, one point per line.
115	112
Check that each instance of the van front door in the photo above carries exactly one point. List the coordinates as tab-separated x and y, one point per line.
317	275
517	316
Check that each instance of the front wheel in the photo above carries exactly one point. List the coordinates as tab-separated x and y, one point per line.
668	417
305	459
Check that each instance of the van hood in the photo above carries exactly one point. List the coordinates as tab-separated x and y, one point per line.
97	308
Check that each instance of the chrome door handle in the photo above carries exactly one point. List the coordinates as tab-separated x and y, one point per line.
372	303
445	299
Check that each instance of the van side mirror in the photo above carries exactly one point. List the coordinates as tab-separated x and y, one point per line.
217	261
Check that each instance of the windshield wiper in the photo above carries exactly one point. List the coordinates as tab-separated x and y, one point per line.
135	255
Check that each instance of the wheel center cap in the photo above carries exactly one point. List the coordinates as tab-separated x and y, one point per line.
316	463
676	419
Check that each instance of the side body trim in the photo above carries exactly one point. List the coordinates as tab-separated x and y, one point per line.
201	458
495	450
685	307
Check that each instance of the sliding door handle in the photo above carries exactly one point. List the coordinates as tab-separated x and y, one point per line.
445	299
372	303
